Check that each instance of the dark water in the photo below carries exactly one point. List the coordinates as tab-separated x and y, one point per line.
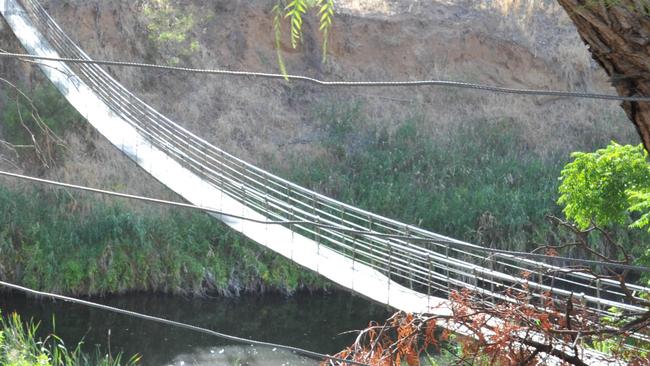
311	321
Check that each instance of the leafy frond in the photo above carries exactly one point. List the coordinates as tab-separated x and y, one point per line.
295	10
326	14
277	30
596	187
640	202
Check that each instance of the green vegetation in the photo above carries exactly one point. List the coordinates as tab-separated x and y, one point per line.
20	346
481	182
169	29
495	190
294	11
596	186
73	244
19	117
607	188
79	245
37	120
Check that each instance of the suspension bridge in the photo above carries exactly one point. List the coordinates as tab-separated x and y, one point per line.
390	262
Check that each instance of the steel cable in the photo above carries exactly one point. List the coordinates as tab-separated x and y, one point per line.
159	201
398	83
163	132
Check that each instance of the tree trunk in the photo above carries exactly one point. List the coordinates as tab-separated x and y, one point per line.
618	35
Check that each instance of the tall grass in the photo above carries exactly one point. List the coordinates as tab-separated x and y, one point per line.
20	346
480	181
80	245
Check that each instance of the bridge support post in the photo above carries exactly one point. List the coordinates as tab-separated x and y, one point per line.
242	173
221	176
479	289
372	260
316	217
598	294
541	283
492	289
390	270
266	194
317	222
447	269
354	251
429	280
204	162
291	215
409	260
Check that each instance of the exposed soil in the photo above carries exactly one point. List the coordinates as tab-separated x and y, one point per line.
503	42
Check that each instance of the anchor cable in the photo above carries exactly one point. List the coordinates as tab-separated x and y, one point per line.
399	83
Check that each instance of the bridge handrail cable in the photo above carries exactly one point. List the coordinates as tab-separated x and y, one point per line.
251	185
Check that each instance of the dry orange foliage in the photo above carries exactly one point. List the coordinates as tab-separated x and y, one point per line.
514	333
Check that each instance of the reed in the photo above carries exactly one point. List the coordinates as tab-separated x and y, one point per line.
481	181
20	345
78	244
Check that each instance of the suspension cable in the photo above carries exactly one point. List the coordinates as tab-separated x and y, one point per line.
398	83
230	174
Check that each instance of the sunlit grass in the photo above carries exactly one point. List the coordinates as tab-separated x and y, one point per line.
20	345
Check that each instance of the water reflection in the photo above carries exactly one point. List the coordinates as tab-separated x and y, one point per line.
310	321
242	356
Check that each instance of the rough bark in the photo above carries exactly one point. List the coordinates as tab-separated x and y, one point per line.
618	35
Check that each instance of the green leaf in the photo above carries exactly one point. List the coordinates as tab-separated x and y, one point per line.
597	187
326	11
294	11
277	29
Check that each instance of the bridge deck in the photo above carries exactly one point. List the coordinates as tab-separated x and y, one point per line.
300	249
365	262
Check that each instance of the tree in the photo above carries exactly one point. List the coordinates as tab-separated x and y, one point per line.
618	35
602	191
597	187
294	11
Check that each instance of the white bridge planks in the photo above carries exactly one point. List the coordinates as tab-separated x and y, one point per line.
300	249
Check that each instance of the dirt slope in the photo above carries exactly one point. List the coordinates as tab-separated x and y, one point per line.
512	43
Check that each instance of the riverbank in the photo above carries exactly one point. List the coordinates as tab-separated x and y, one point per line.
482	182
77	244
485	181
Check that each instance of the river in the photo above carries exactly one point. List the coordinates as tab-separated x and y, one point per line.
313	321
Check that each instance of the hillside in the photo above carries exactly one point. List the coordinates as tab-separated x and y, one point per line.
474	165
530	46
